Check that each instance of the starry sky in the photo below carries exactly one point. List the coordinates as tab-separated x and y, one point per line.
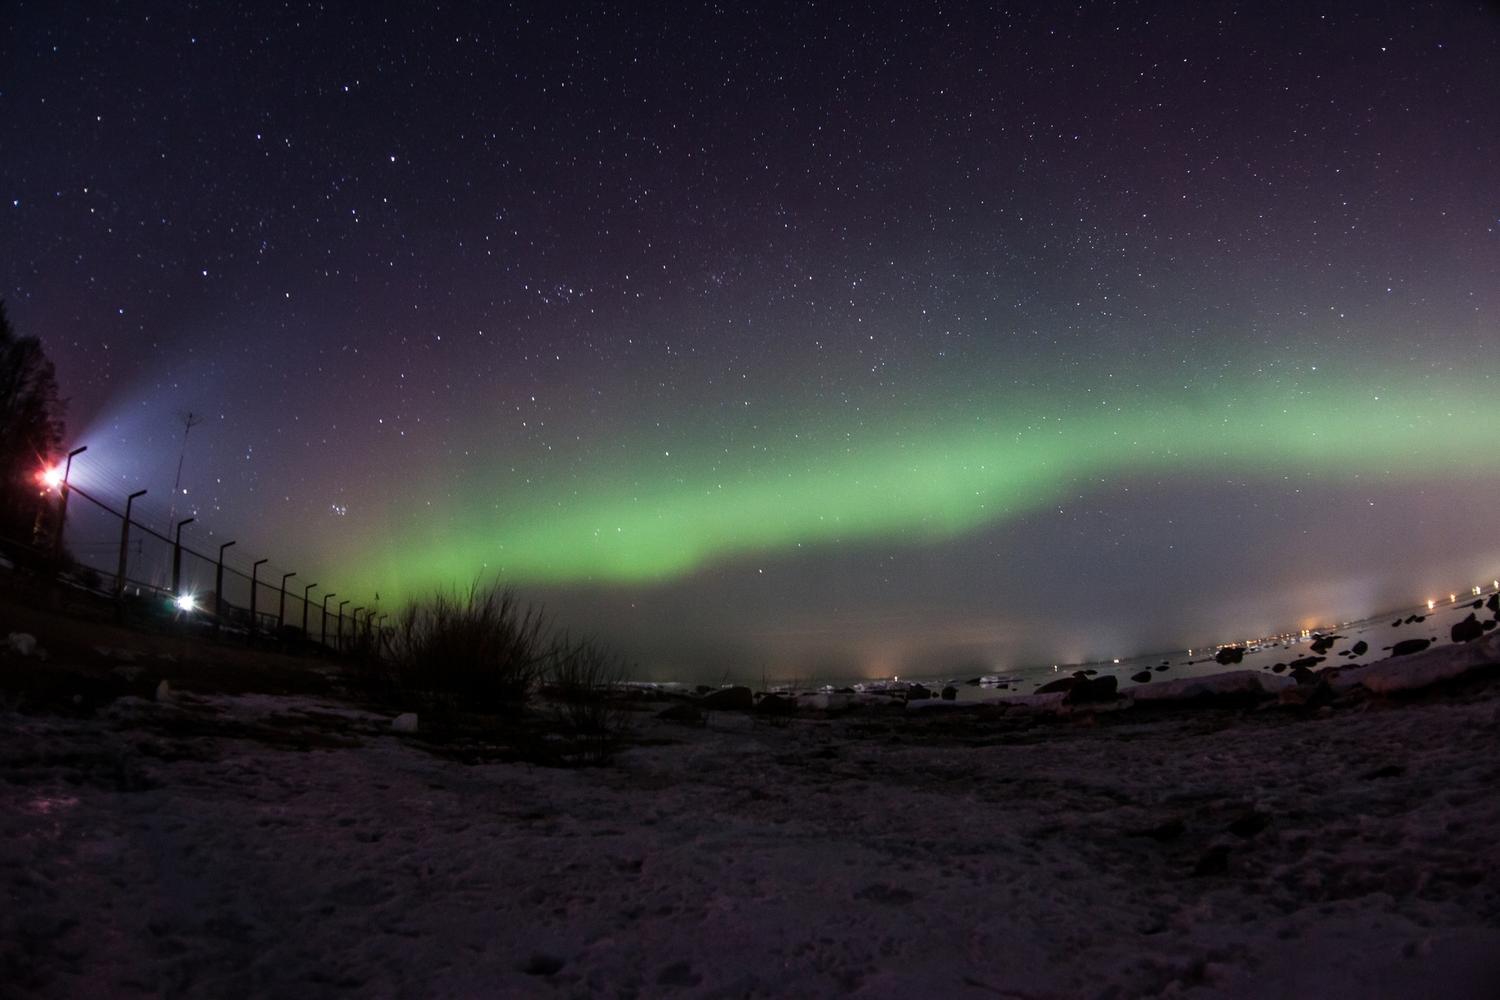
813	339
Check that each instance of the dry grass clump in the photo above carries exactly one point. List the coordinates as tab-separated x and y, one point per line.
479	650
586	682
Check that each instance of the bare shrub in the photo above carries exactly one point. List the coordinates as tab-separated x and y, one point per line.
587	682
480	650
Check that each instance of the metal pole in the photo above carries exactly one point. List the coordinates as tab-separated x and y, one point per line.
281	608
341	626
354	626
62	507
124	545
323	631
177	557
219	586
254	586
305	591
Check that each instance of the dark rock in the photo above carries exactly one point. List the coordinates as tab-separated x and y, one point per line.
775	704
731	699
1467	630
1360	648
1406	647
918	692
1307	661
1303	676
1215	861
702	689
1230	654
1491	623
542	965
1396	623
1141	678
1061	684
680	975
1279	668
1163	668
973	682
1091	691
1494	603
683	712
950	693
1478	603
1089	673
1250	823
1323	644
1389	771
890	895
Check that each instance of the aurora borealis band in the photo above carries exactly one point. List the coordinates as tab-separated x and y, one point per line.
784	338
942	476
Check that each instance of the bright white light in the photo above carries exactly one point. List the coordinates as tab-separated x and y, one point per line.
1431	605
185	602
52	478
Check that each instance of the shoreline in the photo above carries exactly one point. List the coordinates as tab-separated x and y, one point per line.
242	842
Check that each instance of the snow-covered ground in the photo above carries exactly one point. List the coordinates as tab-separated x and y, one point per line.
289	846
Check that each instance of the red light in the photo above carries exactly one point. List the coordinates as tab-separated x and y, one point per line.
51	477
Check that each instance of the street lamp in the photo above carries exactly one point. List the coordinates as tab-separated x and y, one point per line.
219	584
177	556
323	630
305	591
254	586
281	608
125	544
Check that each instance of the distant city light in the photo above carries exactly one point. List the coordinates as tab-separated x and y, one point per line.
1452	598
185	602
1431	604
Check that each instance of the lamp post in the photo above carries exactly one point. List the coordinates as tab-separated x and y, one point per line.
254	586
323	630
354	628
124	545
340	643
177	556
219	585
281	608
62	507
305	591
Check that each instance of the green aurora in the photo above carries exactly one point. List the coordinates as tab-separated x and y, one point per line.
932	473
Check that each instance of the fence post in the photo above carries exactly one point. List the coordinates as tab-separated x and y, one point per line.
125	546
305	591
340	643
254	586
219	588
323	629
281	607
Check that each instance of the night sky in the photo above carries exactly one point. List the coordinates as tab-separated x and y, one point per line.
813	339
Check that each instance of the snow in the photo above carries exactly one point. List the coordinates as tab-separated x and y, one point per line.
1233	682
268	845
1410	673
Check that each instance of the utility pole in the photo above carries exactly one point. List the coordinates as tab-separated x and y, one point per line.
189	421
